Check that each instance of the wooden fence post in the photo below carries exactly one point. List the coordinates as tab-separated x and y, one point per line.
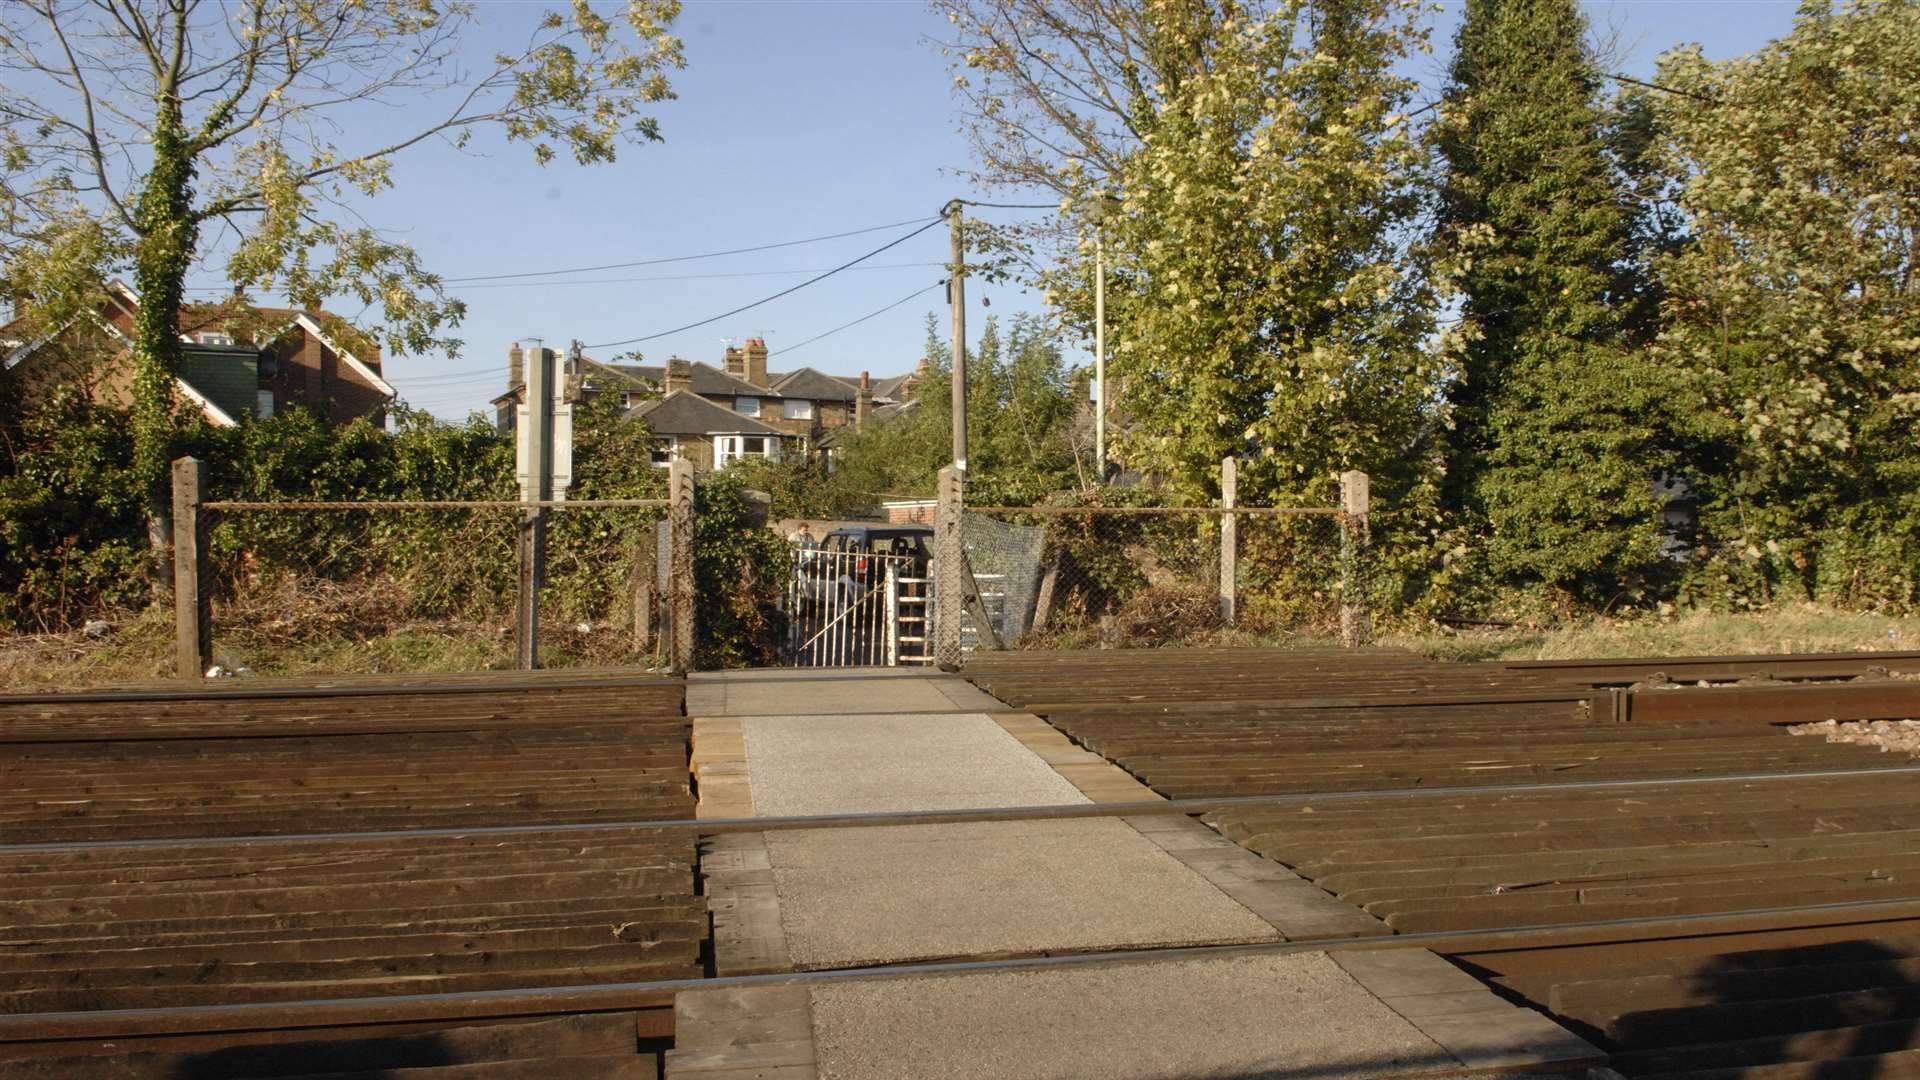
192	607
949	584
1356	622
1229	541
681	591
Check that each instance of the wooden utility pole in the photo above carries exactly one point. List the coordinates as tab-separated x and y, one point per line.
535	441
1229	540
957	297
192	608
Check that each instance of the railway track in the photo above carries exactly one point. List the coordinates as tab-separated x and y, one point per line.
232	951
1593	871
496	877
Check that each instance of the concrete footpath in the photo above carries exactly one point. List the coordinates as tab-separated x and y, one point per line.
785	743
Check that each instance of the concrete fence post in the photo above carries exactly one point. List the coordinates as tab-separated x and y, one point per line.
949	572
533	462
681	590
641	587
1356	622
530	544
192	607
1229	540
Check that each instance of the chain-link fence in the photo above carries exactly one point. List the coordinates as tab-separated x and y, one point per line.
1293	575
1143	575
428	586
1097	576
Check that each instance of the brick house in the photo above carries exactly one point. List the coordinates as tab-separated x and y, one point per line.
239	360
713	416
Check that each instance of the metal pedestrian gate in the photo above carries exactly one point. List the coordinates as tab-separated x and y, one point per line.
854	609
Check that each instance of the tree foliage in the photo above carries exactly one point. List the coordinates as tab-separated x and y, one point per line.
154	137
1263	298
1792	307
1558	435
1027	433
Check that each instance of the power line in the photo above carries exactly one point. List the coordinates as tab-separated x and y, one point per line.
861	319
1664	89
1009	205
685	258
447	383
769	299
680	277
450	382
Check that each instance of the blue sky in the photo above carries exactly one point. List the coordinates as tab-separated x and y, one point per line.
795	119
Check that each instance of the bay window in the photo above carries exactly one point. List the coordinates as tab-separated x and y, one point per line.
728	449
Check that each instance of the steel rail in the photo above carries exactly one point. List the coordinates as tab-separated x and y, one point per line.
1055	812
249	689
435	504
1251	511
354	1011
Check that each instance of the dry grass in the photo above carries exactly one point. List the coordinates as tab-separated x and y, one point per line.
1797	629
140	650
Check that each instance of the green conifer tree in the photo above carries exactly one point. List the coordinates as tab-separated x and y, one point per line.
1557	445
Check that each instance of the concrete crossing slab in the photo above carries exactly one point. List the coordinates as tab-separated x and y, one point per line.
831	692
858	897
1295	1017
1346	1015
853	764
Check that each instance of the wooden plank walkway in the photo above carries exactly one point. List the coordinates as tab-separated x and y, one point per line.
95	923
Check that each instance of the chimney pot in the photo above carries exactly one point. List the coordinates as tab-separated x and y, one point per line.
863	403
756	353
679	375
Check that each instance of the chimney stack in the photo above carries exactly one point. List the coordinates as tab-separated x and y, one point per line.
516	368
863	403
757	361
679	375
736	363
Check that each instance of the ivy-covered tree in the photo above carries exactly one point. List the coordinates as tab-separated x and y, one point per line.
1557	443
1795	309
131	130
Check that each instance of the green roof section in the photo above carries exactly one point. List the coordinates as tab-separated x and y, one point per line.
227	375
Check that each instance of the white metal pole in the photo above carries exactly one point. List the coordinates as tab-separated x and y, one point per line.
1100	352
893	614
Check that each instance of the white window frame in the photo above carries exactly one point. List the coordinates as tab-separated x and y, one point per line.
263	404
728	449
740	405
213	337
797	408
668	443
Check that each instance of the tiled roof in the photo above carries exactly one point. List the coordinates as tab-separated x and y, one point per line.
683	413
706	378
889	388
807	383
881	413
